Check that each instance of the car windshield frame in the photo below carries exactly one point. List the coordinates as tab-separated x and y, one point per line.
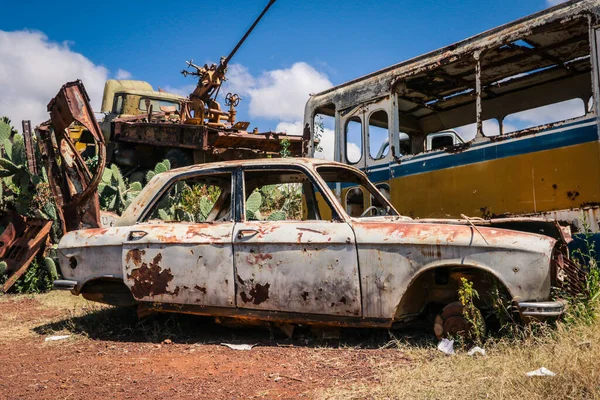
361	180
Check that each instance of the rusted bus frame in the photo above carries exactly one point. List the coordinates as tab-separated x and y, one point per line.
577	17
369	87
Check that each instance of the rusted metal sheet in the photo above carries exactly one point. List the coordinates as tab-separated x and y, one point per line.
73	185
569	276
392	255
180	263
297	266
90	254
29	151
20	242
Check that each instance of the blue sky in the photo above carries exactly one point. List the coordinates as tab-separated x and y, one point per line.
330	42
343	39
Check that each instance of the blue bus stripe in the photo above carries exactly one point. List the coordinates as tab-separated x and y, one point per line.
503	149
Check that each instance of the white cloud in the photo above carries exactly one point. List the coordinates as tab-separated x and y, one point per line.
32	70
326	142
277	94
291	128
239	79
545	115
551	3
281	94
184	91
123	74
527	119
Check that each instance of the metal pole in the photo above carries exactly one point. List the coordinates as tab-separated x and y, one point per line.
235	49
29	151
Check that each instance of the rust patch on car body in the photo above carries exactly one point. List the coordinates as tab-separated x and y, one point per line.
200	288
258	258
312	230
151	280
258	294
135	255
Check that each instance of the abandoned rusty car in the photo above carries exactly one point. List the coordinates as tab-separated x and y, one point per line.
269	241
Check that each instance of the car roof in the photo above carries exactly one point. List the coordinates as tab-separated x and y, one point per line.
131	214
297	161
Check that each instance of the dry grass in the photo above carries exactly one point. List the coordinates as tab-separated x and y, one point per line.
45	309
573	353
64	300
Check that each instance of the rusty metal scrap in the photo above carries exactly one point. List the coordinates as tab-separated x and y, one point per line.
72	183
569	276
20	242
29	151
166	133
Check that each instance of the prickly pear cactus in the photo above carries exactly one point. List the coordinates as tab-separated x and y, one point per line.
5	131
161	167
253	204
51	268
114	191
278	215
205	206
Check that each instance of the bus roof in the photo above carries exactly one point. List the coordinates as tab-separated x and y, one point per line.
560	14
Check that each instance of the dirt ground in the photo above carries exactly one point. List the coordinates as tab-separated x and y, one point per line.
111	354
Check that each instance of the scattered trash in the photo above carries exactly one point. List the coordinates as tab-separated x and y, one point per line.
239	346
277	377
446	346
476	350
541	372
58	337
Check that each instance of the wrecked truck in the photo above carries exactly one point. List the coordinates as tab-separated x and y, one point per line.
306	261
142	127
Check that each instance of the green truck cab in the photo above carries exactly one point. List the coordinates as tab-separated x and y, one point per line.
124	98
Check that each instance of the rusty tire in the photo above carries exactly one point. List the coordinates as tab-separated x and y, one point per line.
452	322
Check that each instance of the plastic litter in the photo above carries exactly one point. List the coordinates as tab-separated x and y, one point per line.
57	337
476	350
541	372
239	346
446	346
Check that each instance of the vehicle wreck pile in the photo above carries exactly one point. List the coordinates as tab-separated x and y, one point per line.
71	152
238	232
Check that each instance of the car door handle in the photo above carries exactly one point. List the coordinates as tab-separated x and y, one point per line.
136	235
243	232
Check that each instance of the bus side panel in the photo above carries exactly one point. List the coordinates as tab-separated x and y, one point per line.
556	179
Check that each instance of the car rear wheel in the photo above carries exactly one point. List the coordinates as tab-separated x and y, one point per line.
452	322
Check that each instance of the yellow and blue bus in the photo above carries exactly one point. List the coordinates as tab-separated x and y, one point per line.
504	123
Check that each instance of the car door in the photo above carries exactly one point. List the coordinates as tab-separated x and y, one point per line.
297	263
181	251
